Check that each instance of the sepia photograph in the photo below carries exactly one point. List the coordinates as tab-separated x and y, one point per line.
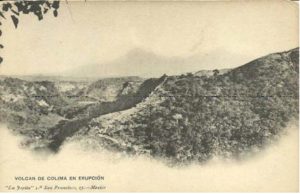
149	96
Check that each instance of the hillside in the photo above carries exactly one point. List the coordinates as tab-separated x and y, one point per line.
194	117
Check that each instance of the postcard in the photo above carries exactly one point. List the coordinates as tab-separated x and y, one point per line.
149	96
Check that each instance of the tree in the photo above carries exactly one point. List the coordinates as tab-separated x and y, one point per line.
13	9
216	72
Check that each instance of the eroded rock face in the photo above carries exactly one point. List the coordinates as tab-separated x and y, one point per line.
110	88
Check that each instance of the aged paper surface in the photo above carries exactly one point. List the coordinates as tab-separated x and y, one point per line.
99	96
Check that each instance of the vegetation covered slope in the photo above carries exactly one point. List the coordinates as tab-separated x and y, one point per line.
202	116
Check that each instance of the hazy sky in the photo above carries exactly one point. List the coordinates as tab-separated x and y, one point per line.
95	33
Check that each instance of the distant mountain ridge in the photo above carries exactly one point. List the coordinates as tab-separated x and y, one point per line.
145	63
